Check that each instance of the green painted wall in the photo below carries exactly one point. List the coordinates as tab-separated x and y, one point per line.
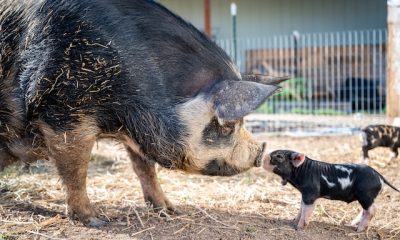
258	18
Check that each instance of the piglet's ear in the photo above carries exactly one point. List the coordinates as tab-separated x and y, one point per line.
235	99
297	159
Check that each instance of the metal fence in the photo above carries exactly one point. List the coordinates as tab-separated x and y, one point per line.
336	73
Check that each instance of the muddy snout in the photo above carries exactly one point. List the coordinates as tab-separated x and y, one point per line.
262	156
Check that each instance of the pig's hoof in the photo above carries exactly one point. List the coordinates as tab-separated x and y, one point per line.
94	222
297	227
360	229
166	212
175	212
164	208
354	223
295	221
301	224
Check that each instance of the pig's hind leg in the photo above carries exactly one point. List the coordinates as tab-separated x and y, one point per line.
70	151
366	218
152	192
367	202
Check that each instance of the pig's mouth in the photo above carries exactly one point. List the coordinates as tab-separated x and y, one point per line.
260	155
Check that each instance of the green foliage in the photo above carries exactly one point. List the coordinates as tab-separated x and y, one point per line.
293	89
265	108
293	92
11	172
250	231
4	236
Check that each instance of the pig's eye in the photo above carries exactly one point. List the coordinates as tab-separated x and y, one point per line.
279	157
227	129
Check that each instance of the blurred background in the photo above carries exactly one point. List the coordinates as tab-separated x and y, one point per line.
336	52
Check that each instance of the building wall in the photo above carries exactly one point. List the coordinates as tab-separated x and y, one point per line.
259	18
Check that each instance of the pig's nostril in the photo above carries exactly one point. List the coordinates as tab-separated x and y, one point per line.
260	155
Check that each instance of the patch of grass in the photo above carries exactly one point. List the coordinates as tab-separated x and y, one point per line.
250	231
293	89
99	158
11	171
3	236
266	108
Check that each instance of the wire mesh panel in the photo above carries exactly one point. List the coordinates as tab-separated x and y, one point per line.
335	73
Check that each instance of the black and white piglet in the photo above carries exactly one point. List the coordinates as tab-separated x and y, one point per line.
374	136
315	179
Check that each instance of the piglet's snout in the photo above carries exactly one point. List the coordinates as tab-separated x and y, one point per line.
262	156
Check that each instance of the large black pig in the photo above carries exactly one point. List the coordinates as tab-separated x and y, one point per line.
74	71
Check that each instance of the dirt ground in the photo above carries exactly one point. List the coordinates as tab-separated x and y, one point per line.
252	205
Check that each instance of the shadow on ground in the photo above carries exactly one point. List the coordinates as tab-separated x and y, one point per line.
195	223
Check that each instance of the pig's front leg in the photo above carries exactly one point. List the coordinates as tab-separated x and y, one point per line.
297	219
305	214
364	155
393	153
152	192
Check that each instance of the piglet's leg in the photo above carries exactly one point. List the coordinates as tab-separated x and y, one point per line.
306	212
297	219
394	153
365	157
366	218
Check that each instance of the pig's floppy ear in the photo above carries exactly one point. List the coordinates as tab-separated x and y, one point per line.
297	159
264	79
235	99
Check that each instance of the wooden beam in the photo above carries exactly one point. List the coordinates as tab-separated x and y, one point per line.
393	60
207	18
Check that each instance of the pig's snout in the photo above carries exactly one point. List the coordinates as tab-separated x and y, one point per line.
262	156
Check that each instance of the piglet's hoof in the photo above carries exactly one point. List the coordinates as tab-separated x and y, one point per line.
301	225
360	228
298	228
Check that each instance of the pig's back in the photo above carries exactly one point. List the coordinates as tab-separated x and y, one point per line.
381	135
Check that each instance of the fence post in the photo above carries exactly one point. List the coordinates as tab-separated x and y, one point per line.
296	37
207	18
393	59
233	14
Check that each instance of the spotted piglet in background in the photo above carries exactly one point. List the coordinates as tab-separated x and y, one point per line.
380	136
315	179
